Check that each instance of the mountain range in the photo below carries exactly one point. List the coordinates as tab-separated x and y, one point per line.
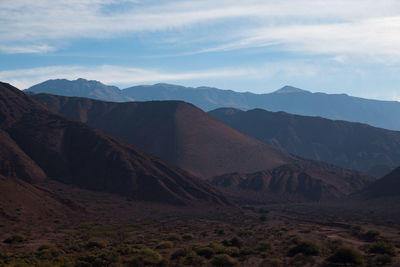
377	113
191	139
38	145
350	145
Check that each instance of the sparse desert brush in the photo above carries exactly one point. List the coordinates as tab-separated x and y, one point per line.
96	243
180	253
262	218
264	246
346	256
174	237
233	242
219	231
223	260
244	232
383	260
382	248
193	259
233	252
187	236
301	260
333	244
271	262
305	247
209	250
371	235
144	256
48	251
15	238
165	245
205	252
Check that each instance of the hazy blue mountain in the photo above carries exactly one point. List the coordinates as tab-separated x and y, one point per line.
206	98
81	88
293	100
346	144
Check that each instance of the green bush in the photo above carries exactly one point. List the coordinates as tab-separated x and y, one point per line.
47	251
145	256
16	238
222	260
307	248
192	259
382	248
346	255
165	244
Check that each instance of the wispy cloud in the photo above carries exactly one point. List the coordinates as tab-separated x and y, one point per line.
370	37
294	24
125	76
25	49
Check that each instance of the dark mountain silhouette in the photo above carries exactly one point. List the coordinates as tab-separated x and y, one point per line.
186	136
315	182
388	186
80	87
350	145
41	144
175	131
377	113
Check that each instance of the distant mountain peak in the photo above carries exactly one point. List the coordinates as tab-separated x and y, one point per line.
287	89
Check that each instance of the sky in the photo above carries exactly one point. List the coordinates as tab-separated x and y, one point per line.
331	46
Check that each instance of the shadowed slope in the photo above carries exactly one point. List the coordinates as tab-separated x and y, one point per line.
73	152
175	131
25	204
388	186
350	145
292	183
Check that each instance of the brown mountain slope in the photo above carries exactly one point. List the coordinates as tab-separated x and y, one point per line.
23	204
292	183
75	153
388	186
175	131
347	144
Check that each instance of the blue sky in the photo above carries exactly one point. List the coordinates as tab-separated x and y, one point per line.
338	46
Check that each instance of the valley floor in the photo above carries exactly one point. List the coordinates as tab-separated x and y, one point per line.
113	231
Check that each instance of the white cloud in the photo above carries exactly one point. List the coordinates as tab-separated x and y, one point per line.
370	37
126	76
9	49
34	23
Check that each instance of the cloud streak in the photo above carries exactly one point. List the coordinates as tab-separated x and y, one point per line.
333	26
371	37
